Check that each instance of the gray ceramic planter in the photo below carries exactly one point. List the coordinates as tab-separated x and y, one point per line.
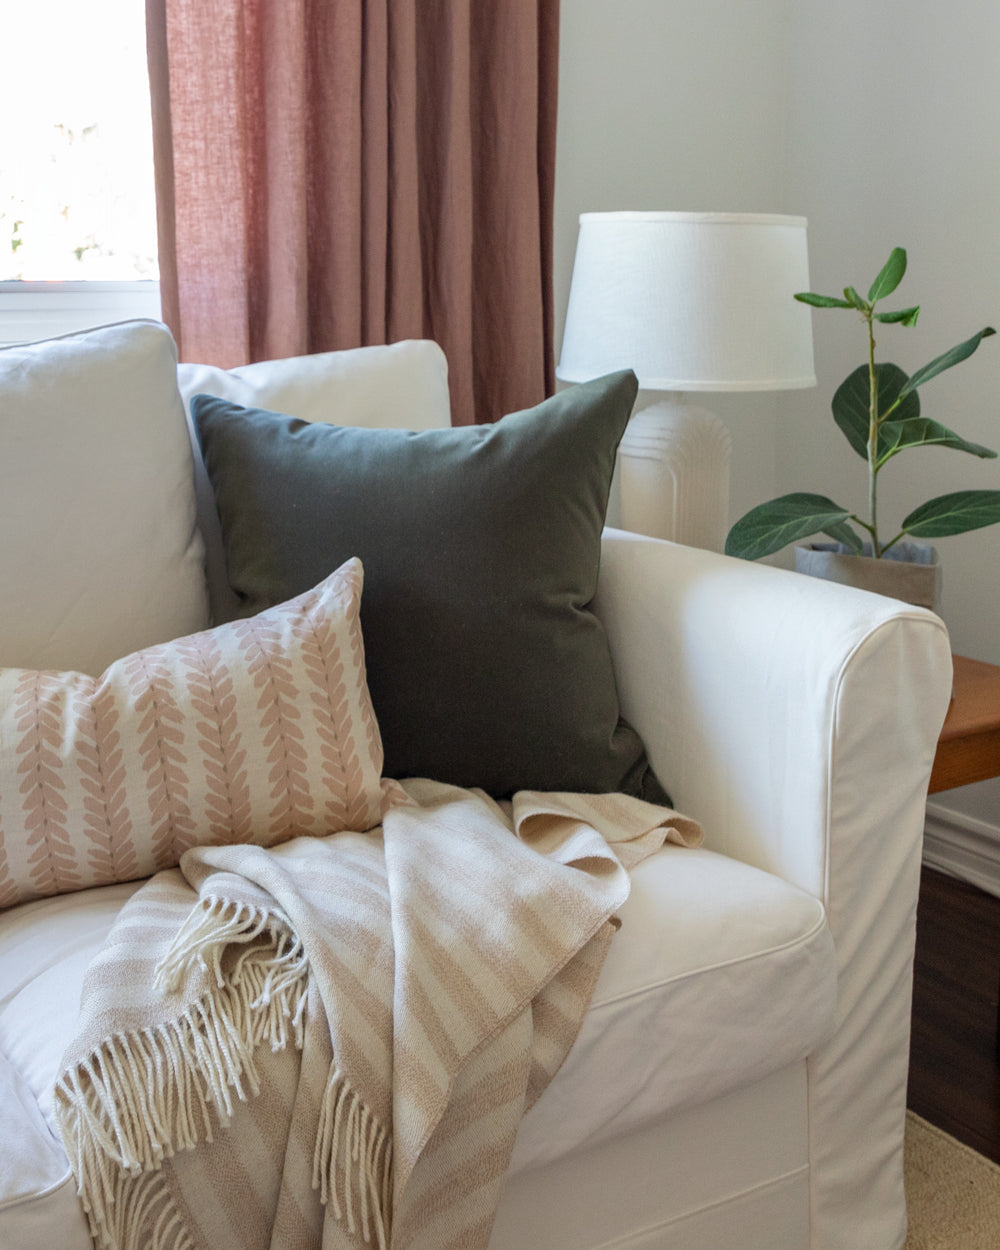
911	571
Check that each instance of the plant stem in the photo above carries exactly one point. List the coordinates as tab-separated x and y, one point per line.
889	546
872	438
864	525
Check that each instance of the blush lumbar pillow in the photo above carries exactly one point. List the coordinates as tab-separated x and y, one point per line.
255	731
481	548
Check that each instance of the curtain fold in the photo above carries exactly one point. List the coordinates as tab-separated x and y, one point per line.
335	173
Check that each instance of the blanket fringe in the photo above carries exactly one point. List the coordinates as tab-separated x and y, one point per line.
352	1161
142	1214
141	1096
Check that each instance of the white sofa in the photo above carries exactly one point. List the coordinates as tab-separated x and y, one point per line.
740	1078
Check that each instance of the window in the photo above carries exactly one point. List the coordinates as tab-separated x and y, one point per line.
77	206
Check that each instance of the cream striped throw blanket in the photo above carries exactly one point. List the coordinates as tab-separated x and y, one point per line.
330	1043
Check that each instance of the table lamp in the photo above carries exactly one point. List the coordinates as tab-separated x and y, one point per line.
692	302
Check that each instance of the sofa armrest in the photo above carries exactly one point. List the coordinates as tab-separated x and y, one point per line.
797	720
779	710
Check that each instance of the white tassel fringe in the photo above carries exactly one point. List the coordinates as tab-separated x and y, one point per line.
142	1096
352	1161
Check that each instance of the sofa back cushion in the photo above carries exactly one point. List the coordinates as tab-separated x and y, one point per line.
256	731
399	386
100	553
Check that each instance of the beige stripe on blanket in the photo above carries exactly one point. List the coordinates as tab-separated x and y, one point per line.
331	1043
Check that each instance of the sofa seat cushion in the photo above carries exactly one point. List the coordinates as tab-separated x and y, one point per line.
38	1201
719	975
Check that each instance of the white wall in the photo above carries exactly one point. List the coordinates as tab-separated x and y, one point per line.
876	119
894	109
893	113
681	106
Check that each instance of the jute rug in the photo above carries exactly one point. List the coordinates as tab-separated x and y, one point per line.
952	1193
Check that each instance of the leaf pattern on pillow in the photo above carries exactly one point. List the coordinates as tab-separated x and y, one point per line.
278	705
346	803
8	890
53	866
211	690
106	816
161	749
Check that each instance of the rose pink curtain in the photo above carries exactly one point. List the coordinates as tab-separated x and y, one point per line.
334	173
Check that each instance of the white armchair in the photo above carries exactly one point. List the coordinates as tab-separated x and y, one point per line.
740	1077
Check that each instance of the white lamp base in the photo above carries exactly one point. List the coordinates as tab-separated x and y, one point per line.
674	463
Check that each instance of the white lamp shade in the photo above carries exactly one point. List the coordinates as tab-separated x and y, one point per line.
690	301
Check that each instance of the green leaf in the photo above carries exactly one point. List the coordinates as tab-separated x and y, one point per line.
908	316
855	299
956	513
850	405
771	526
822	301
945	361
890	276
896	435
844	534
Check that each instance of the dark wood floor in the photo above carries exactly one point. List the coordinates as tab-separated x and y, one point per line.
954	1055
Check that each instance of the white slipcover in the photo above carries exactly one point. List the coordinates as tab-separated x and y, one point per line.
719	976
100	553
796	720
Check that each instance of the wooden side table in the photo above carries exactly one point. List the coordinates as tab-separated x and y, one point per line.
969	747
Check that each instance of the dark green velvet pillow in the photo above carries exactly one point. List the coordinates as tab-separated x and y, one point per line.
481	547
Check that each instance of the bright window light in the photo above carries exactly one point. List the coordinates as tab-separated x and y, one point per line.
76	159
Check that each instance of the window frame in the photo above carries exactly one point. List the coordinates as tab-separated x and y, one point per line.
30	311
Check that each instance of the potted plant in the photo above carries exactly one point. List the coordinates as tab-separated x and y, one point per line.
878	410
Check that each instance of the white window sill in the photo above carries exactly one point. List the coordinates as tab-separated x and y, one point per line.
41	310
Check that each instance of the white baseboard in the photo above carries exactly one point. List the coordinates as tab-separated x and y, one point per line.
963	846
